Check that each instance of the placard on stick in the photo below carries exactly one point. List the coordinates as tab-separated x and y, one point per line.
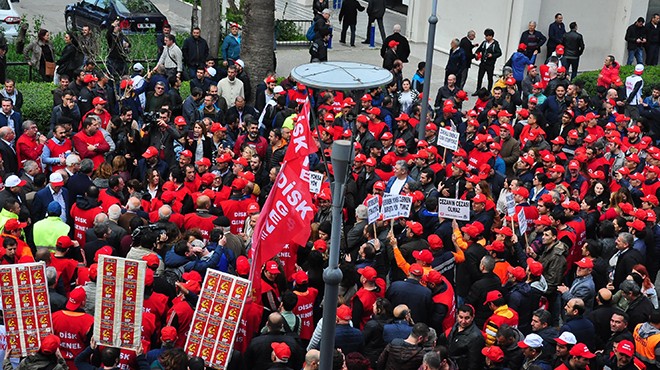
510	205
315	182
522	221
26	306
448	139
373	209
454	208
405	204
390	208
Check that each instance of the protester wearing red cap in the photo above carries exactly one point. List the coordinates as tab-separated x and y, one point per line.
372	288
501	314
47	356
73	325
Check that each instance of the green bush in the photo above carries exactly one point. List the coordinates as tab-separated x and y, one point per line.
651	78
38	101
288	31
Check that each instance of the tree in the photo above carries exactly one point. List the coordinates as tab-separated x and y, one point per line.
257	46
211	24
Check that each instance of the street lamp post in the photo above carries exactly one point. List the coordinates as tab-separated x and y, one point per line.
337	76
433	20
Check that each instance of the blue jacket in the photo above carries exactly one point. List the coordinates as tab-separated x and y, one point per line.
18	122
348	339
227	257
582	328
396	329
231	48
519	62
584	288
391	182
41	200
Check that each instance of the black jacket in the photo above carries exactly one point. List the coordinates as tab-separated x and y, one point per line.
195	51
465	347
402	50
401	355
573	44
466	45
625	264
468	272
9	158
477	296
257	356
349	10
493	49
71	59
632	34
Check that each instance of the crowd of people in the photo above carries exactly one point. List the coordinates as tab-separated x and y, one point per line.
179	182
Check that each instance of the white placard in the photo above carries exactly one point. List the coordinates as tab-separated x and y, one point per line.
448	139
454	208
315	181
405	204
373	209
510	205
522	221
390	207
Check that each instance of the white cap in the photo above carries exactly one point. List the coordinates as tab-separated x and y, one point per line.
138	67
566	338
531	340
56	179
211	71
639	68
12	181
278	89
240	63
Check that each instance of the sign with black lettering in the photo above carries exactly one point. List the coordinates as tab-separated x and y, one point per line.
373	209
315	182
405	204
448	139
510	205
454	208
390	207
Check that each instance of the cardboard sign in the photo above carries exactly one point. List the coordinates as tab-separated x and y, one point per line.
315	182
26	306
217	316
454	208
448	139
390	207
510	205
373	209
522	221
119	302
405	204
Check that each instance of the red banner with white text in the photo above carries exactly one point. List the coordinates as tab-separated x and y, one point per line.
287	214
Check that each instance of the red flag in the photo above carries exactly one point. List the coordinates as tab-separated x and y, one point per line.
287	214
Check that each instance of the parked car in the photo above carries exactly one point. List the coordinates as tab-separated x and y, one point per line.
137	16
9	20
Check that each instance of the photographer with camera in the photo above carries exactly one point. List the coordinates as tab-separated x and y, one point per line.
147	239
159	132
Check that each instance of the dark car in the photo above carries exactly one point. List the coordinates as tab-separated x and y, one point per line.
137	16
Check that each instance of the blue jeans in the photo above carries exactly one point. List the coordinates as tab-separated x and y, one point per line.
637	54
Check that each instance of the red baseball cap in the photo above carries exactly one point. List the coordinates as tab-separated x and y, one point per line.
344	312
517	272
152	260
242	266
282	350
271	266
150	152
415	227
76	298
168	334
581	350
495	246
424	255
368	272
492	296
505	230
626	347
434	241
13	224
586	263
49	344
300	277
535	267
416	269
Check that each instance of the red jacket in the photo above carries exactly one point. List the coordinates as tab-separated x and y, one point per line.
236	211
183	313
261	145
105	117
249	325
27	148
305	310
59	151
66	269
608	75
107	200
81	140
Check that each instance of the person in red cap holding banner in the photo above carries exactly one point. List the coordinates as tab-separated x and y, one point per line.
73	326
48	356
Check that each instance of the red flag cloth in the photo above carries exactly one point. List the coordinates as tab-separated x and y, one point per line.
287	214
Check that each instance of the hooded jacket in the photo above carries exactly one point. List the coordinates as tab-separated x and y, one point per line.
553	260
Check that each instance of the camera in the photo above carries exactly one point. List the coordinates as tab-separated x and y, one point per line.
148	119
141	231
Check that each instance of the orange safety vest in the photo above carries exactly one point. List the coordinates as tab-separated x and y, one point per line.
645	347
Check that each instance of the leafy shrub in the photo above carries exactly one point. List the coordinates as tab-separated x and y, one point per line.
289	31
38	101
651	78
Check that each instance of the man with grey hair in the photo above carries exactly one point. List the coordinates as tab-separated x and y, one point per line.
118	232
164	213
400	179
30	169
72	163
80	182
403	49
624	259
456	62
467	44
533	39
7	151
57	300
432	361
133	207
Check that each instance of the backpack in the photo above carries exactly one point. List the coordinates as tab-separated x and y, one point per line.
173	275
311	34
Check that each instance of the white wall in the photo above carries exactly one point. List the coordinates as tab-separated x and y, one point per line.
602	23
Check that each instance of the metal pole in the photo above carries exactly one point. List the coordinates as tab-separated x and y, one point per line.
341	155
433	20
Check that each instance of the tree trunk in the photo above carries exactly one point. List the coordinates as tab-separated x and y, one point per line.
194	18
257	45
211	23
